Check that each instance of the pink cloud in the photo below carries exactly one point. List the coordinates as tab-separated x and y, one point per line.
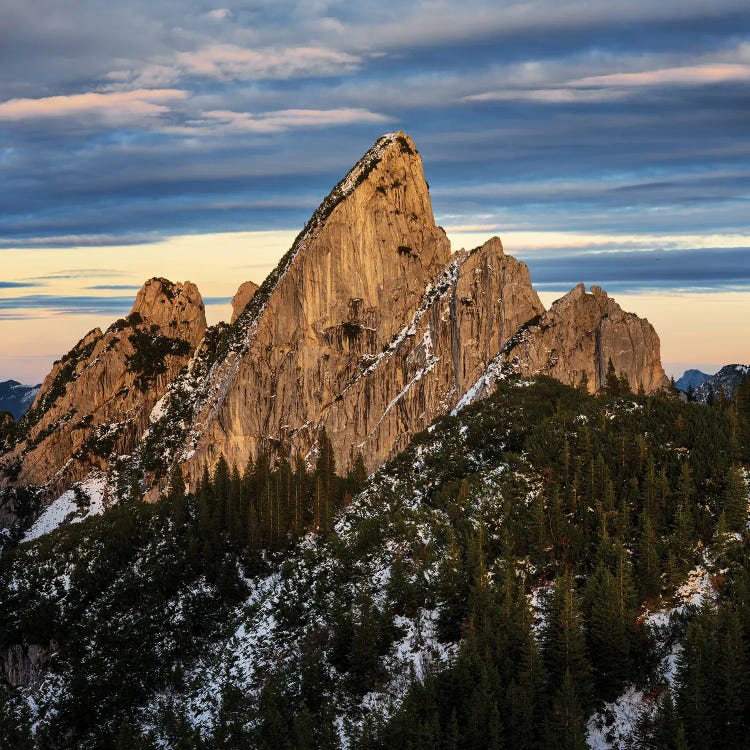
682	76
118	106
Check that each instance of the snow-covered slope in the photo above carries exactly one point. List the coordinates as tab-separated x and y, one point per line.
726	380
156	628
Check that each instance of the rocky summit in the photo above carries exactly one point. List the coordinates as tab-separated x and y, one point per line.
95	403
370	327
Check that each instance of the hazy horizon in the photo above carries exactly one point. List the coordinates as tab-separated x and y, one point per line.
44	328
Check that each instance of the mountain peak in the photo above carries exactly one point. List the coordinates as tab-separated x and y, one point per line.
579	335
166	303
98	396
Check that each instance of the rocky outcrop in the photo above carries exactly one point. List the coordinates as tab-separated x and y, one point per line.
22	664
339	299
7	423
467	316
96	400
580	334
242	297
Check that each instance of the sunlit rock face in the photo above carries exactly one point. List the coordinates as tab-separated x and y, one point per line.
97	399
575	340
241	298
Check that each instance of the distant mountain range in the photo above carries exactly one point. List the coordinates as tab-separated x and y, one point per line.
16	397
691	379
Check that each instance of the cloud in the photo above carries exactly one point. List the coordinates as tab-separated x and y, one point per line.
81	273
228	61
232	62
17	284
608	87
219	14
115	107
114	287
226	122
637	270
44	305
691	75
549	95
472	228
48	305
75	240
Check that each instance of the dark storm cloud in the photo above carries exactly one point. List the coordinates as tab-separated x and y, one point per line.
133	122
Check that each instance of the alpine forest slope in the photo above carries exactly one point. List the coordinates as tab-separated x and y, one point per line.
545	568
722	385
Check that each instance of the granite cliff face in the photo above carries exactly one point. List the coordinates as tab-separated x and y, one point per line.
353	279
579	335
96	400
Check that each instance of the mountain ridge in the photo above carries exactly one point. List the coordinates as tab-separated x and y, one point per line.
691	379
725	381
369	327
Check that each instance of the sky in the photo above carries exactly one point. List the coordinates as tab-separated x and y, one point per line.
604	142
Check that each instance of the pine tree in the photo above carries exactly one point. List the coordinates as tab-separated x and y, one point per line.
357	475
696	677
567	720
221	486
525	698
325	483
734	683
176	496
608	632
735	500
611	382
563	640
662	732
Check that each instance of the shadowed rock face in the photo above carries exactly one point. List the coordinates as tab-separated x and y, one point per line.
580	334
97	399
